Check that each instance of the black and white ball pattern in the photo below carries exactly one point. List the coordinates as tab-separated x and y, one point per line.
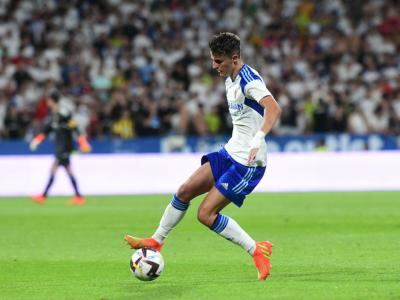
146	264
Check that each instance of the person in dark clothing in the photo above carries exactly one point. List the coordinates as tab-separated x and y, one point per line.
15	123
65	130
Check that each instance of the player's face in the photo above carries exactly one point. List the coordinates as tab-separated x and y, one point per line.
224	65
51	104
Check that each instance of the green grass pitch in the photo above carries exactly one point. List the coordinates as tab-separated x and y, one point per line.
326	246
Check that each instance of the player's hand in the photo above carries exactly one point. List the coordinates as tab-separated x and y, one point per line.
33	145
255	144
252	156
36	141
85	148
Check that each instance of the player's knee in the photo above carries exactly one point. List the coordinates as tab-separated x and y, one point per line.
205	217
184	193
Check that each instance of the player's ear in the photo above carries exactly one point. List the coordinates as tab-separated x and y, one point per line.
235	58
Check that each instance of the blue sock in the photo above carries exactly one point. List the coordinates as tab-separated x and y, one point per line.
173	214
229	229
220	223
179	204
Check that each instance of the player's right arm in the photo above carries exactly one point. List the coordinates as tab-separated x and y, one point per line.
272	111
39	138
36	141
257	91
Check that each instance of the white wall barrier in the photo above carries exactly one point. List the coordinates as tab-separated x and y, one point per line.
163	173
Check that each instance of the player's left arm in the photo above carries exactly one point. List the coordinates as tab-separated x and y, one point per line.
272	111
84	145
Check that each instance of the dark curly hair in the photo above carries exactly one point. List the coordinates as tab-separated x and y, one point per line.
225	44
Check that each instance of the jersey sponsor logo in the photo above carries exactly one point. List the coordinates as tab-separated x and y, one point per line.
235	106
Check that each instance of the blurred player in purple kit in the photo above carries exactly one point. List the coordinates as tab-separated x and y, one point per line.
65	130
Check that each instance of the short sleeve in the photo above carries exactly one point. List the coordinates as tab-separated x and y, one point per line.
256	90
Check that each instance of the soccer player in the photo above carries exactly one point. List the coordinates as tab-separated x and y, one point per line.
230	174
65	129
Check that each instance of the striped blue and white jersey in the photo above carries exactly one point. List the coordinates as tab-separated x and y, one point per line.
243	95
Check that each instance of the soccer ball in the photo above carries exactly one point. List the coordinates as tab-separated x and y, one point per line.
146	264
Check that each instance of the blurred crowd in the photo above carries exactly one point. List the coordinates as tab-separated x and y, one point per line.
142	68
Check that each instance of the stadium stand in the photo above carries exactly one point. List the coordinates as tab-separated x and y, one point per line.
141	68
